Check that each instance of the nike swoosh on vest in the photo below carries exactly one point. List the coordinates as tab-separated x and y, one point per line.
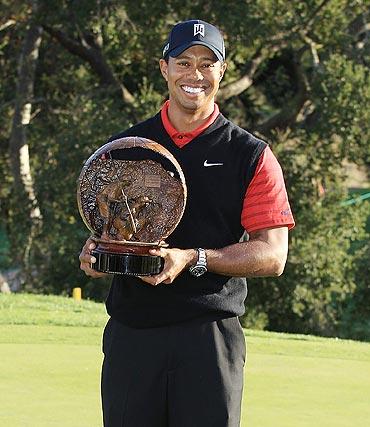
206	164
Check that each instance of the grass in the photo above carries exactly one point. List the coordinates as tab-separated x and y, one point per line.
25	309
50	365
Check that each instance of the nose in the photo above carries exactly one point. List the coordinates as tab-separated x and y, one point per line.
195	73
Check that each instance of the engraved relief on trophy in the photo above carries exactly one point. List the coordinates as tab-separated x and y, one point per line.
131	195
131	200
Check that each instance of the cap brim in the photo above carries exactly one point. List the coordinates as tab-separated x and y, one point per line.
176	52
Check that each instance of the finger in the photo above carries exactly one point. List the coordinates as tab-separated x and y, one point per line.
86	262
157	279
91	272
95	274
151	280
98	274
163	275
89	245
159	252
87	258
86	250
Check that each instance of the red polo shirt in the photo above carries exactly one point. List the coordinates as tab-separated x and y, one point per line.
266	202
182	138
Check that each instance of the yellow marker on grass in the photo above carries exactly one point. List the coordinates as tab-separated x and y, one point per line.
76	294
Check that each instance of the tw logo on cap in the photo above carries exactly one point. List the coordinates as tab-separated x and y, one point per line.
199	29
165	49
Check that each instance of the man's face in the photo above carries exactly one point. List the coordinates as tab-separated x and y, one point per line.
193	78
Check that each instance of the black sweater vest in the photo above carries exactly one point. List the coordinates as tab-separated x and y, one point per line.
211	220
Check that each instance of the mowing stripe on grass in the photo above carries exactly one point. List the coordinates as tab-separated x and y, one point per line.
49	375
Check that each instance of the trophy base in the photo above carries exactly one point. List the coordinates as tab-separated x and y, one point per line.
130	261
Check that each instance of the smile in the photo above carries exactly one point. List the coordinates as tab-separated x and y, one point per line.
190	89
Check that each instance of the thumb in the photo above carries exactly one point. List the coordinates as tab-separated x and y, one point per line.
158	252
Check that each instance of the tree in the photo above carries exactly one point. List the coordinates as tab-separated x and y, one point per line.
297	76
23	193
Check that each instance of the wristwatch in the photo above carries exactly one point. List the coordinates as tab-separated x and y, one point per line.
201	265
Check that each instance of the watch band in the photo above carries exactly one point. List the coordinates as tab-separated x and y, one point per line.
202	257
200	267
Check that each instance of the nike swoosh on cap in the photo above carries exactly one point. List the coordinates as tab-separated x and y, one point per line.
206	164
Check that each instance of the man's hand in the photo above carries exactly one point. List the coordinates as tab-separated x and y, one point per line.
175	261
86	259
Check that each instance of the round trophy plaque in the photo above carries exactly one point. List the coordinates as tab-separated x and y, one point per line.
131	195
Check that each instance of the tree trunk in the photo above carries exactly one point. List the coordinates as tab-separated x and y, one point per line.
23	188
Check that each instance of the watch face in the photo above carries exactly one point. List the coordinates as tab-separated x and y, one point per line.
198	270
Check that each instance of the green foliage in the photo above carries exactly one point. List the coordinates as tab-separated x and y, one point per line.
321	275
307	47
341	94
355	320
254	318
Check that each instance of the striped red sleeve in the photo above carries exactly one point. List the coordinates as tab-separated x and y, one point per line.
266	202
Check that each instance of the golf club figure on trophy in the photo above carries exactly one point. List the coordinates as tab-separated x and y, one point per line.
131	195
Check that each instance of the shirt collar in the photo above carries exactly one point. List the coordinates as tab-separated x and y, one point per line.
183	138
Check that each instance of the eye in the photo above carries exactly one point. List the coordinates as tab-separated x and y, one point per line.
183	63
208	65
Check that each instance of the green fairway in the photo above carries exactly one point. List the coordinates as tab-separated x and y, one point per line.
292	382
50	384
51	357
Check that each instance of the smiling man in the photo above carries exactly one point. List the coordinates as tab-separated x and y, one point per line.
174	349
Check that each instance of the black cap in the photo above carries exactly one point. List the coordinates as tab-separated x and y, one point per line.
195	32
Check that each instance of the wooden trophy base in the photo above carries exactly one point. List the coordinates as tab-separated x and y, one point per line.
128	258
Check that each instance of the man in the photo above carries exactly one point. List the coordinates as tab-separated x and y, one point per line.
174	348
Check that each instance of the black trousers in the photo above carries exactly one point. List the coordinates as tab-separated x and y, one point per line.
184	375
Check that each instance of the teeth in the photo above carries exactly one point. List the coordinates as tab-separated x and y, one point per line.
190	89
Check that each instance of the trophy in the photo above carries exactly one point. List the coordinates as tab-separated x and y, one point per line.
131	195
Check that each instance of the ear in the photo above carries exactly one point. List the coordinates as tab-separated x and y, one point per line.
222	69
163	65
